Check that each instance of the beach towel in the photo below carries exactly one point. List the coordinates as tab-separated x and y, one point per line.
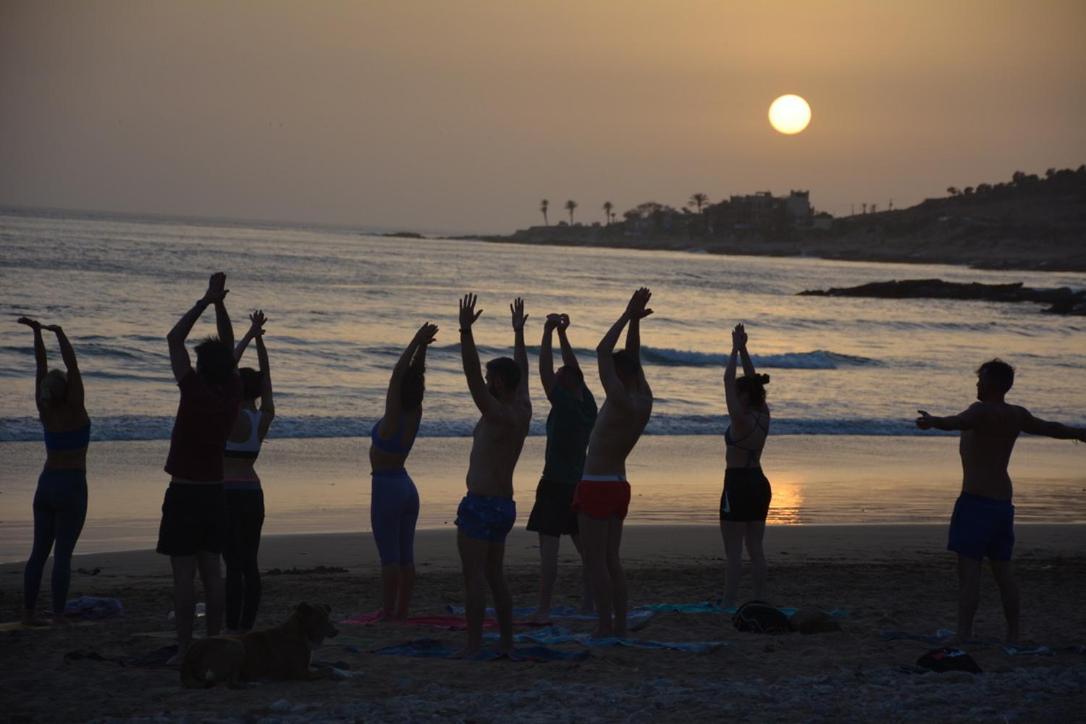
1027	650
446	622
434	649
635	619
938	637
560	635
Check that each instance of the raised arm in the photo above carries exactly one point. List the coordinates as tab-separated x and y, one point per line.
179	355
546	354
267	400
1037	426
393	403
744	356
612	385
520	352
41	360
222	323
257	321
569	359
67	353
470	356
737	413
965	420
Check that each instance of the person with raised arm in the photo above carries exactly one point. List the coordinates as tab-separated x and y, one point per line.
602	497
744	504
982	525
487	513
569	424
194	526
394	499
60	501
241	484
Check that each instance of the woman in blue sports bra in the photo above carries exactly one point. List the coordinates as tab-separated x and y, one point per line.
241	484
744	503
394	500
60	502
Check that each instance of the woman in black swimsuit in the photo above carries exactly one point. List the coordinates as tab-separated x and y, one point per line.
745	501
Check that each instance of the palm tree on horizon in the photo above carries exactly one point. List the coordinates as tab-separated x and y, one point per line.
543	206
570	206
699	200
607	215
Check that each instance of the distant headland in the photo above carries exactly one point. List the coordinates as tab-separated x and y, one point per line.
1035	222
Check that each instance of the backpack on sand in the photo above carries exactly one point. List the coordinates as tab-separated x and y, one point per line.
760	617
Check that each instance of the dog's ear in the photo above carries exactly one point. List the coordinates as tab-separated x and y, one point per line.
303	607
327	608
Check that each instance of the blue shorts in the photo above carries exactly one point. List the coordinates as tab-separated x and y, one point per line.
486	517
982	527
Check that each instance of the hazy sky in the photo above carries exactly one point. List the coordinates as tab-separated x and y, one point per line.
463	114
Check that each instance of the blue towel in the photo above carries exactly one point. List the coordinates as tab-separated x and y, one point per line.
634	618
93	607
559	635
434	649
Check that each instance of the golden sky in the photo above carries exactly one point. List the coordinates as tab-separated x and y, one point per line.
460	115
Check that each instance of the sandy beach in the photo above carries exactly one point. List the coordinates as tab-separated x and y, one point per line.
881	577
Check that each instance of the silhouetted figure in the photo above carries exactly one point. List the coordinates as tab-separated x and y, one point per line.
569	425
194	525
744	503
244	495
982	524
60	501
487	512
394	499
602	497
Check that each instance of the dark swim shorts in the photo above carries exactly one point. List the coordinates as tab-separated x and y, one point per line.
486	517
553	512
746	496
194	519
982	527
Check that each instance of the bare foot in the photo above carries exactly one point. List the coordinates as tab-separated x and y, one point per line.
31	620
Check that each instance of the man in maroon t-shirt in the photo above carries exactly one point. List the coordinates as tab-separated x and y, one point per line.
194	511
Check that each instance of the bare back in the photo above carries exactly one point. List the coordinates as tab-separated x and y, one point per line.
497	442
986	448
617	430
64	417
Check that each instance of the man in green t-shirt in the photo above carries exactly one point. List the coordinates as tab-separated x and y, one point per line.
569	425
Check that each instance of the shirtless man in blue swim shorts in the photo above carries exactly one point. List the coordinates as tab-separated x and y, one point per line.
487	512
983	521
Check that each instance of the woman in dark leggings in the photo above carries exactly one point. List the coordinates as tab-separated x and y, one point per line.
744	504
244	496
394	500
60	502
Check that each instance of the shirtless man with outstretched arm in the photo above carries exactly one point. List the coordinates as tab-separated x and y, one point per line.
983	520
487	512
602	497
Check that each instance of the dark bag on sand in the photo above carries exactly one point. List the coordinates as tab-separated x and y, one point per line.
940	660
760	617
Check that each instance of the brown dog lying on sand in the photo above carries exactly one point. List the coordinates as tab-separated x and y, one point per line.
283	652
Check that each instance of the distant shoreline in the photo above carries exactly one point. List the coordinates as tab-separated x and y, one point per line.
1006	258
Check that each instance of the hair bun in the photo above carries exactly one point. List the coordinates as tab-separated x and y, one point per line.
764	379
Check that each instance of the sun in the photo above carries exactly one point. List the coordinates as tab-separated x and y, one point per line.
789	114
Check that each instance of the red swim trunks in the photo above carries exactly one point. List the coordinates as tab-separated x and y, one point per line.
602	497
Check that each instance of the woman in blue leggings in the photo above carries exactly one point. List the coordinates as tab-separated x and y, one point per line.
60	502
394	500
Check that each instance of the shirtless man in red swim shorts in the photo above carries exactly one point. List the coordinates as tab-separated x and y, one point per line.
603	495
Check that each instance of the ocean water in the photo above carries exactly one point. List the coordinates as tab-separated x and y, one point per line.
847	374
342	305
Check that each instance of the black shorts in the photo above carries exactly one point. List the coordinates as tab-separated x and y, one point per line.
553	513
746	496
193	520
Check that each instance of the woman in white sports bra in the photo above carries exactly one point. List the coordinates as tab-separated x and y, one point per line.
244	497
